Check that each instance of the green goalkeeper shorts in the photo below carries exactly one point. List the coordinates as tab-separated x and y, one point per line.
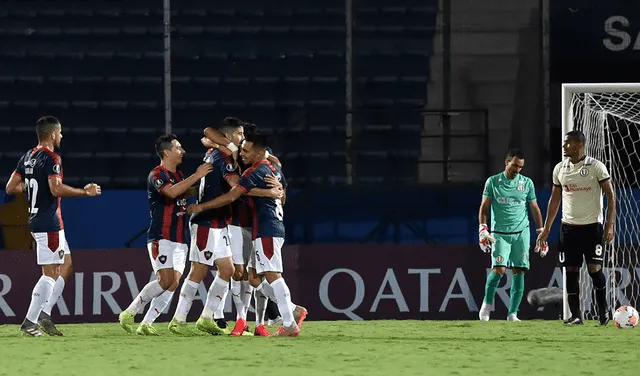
511	250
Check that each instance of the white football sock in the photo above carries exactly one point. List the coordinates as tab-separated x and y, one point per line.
283	299
267	290
149	291
247	291
158	304
261	305
187	293
217	291
219	314
39	296
58	287
236	295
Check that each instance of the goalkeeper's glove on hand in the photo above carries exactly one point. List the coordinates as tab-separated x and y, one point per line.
485	239
542	247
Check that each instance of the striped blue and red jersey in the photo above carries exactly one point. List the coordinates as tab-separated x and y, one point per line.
35	168
167	214
214	185
267	212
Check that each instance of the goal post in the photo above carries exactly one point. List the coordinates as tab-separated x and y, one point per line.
609	116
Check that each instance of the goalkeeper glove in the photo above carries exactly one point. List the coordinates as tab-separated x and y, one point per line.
485	239
542	247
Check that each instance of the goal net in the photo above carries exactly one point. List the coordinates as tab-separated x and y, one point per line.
609	116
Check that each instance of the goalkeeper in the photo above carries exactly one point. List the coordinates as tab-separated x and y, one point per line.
507	195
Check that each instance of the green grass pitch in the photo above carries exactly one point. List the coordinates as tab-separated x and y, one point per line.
333	348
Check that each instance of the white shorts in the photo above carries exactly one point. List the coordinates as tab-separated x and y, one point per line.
241	244
51	247
267	256
165	254
209	244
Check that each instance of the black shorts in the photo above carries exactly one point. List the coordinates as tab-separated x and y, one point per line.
578	242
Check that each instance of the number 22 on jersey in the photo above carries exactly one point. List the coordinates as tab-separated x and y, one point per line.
32	193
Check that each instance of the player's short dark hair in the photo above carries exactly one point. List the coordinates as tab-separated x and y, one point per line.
46	125
250	129
164	143
258	141
577	136
514	153
230	124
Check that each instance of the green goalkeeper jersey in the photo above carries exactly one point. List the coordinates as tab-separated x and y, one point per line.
509	200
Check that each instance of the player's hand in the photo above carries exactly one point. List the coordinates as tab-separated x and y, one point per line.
93	190
276	192
542	246
204	170
208	143
272	182
194	208
608	233
485	240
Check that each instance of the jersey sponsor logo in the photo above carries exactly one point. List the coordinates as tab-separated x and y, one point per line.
584	172
230	167
575	188
508	201
30	163
57	168
159	183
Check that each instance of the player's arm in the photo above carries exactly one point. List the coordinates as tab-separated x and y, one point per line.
607	187
537	214
485	207
59	189
221	142
274	191
15	184
174	190
218	202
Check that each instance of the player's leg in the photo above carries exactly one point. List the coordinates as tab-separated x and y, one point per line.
247	288
594	256
161	255
519	260
570	257
160	303
49	255
66	269
236	244
499	257
220	285
260	298
269	263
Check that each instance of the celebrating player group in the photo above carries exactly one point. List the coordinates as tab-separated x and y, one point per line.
578	181
236	224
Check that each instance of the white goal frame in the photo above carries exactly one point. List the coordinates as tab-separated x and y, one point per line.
567	125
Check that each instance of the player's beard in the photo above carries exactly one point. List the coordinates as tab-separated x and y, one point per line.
56	148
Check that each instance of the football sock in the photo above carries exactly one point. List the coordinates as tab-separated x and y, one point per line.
219	313
247	292
493	280
261	305
149	291
236	295
187	293
283	299
573	293
600	285
158	305
517	289
217	290
58	287
41	293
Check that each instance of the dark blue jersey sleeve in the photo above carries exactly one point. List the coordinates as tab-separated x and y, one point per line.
20	168
159	180
225	165
53	166
250	179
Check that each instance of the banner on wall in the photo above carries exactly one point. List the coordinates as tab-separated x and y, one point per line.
335	282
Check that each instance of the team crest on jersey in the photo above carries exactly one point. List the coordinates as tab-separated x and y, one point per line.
159	183
162	259
61	253
57	168
521	187
230	167
208	255
584	171
499	259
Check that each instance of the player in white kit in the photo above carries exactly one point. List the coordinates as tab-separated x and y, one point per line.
579	181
